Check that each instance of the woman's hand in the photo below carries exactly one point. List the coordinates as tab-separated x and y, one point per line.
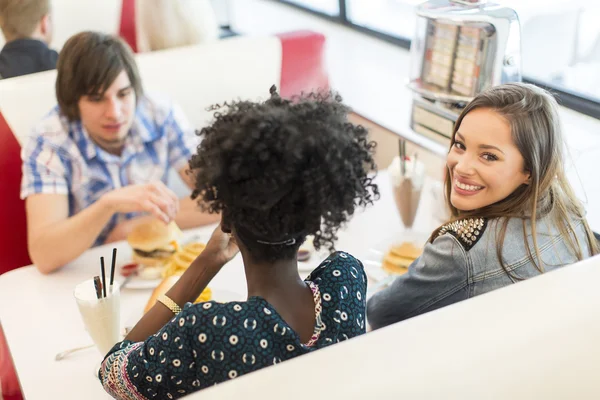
220	249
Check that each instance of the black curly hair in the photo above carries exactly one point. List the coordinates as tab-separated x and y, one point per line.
281	169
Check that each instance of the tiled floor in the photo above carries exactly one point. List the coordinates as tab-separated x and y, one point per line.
371	76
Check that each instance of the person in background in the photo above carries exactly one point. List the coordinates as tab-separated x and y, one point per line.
99	161
27	29
514	214
164	24
277	171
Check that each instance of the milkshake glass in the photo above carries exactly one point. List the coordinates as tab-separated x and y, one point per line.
101	317
407	189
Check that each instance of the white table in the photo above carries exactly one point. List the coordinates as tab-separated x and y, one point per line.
40	318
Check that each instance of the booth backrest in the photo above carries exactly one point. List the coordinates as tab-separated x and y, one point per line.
302	51
195	77
212	73
127	23
537	339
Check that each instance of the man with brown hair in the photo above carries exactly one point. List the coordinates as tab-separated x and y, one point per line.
98	163
27	28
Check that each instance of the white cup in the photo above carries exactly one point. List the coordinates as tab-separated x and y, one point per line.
101	317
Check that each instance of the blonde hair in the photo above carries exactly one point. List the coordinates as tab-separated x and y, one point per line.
164	24
536	131
20	18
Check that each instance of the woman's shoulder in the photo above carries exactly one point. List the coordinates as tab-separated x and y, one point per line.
342	289
467	232
215	321
339	266
481	234
212	308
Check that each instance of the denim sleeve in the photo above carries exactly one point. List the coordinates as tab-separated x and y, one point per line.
436	279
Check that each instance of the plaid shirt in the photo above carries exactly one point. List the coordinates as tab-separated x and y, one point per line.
60	158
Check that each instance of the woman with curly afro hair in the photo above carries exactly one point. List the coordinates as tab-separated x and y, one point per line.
277	171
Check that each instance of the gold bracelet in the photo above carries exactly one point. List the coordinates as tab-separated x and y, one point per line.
170	304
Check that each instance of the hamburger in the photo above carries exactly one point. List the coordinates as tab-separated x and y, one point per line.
153	243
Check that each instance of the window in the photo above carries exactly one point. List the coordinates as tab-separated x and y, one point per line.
561	44
329	7
560	39
392	17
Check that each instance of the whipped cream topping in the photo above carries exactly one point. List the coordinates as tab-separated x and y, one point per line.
414	171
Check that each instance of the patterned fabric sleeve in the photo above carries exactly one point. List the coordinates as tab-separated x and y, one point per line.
160	367
44	169
181	138
191	352
113	372
343	285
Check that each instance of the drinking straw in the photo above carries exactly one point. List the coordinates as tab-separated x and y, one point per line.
98	287
103	276
400	156
112	268
415	164
402	151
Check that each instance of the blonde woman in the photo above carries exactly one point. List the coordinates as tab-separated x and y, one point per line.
514	215
163	24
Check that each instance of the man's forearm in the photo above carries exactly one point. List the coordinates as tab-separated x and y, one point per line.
66	240
190	216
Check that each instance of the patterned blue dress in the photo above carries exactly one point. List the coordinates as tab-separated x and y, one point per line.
212	342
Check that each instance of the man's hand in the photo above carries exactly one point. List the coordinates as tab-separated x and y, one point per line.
154	198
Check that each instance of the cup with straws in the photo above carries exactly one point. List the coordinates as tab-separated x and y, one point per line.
99	305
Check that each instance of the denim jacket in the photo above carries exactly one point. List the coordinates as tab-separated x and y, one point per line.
462	262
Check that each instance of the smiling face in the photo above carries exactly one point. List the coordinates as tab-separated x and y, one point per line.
107	117
484	164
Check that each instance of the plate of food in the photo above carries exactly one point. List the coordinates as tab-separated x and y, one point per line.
392	257
157	254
